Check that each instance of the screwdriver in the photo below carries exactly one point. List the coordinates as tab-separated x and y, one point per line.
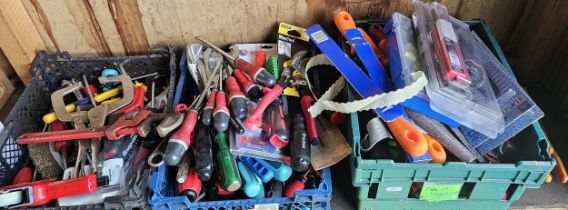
237	98
204	154
221	113
306	102
297	184
191	188
251	89
279	134
230	177
251	186
258	74
208	109
299	146
180	140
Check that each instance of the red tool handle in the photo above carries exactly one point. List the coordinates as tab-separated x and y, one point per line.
126	124
337	118
221	113
207	114
94	90
306	102
260	58
248	86
181	140
254	120
60	126
137	102
258	74
25	175
233	85
66	135
47	190
237	98
221	191
293	186
211	101
191	187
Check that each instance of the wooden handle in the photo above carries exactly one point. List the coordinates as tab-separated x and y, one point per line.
408	136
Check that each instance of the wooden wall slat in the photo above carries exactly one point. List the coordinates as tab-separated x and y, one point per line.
67	27
18	38
123	27
129	25
103	15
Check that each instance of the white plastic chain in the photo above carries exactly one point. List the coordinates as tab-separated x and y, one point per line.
387	99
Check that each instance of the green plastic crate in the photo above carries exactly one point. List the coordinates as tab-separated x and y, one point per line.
384	184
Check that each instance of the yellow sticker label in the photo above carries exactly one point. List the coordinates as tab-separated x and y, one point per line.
285	29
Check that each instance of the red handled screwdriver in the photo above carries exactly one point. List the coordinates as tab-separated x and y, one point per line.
237	98
208	109
279	136
191	187
252	90
260	58
221	113
258	74
306	102
180	140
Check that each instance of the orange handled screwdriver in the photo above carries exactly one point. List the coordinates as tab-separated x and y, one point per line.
237	98
221	113
344	22
258	74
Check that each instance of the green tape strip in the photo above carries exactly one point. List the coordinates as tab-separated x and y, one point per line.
434	192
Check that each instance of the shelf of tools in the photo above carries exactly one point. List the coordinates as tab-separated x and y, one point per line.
468	137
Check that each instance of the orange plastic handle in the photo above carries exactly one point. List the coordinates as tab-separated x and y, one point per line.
408	136
436	150
344	22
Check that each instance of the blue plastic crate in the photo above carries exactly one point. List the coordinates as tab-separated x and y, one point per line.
162	196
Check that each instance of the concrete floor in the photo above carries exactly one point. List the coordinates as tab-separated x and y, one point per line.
550	196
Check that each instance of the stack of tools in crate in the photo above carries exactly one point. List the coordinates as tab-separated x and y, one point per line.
246	134
440	116
438	90
95	139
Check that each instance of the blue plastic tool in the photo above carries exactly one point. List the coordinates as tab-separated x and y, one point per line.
260	168
250	186
282	171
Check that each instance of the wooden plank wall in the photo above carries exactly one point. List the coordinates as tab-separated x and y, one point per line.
120	27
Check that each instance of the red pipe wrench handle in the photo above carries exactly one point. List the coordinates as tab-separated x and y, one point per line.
66	135
126	122
306	102
254	120
47	190
137	102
